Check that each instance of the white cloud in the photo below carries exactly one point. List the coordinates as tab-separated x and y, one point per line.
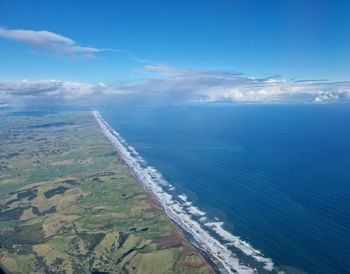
45	93
218	86
49	41
178	86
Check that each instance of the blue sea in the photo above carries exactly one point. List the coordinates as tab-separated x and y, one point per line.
278	176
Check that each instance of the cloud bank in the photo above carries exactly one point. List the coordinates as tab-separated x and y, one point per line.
227	86
49	41
179	86
46	93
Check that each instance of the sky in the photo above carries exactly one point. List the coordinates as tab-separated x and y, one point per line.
204	51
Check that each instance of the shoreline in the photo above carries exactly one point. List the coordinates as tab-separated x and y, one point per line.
196	232
78	208
186	235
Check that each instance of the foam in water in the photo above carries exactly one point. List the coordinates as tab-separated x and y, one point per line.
195	211
184	214
183	197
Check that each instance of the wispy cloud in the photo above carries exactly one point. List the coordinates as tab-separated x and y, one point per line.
50	41
169	71
179	86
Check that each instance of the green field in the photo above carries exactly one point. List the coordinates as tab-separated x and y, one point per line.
69	205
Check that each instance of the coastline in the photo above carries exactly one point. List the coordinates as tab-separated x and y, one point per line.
186	235
75	207
196	232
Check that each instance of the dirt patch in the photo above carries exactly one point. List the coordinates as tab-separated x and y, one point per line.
169	241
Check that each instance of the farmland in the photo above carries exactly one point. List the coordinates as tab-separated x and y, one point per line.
69	204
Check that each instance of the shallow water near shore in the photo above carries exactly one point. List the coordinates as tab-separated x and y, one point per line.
276	176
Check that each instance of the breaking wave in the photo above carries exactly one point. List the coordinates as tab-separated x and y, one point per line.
190	218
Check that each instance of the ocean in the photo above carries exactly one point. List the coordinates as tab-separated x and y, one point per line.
267	181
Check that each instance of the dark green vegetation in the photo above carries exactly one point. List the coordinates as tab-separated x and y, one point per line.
69	205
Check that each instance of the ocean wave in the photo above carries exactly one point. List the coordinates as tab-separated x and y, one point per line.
183	197
195	211
185	215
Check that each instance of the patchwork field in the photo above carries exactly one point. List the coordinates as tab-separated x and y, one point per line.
69	205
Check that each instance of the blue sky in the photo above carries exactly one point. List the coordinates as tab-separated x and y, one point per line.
289	40
296	39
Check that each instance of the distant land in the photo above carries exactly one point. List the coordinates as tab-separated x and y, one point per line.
68	203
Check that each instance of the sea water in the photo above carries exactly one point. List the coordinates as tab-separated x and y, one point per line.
276	177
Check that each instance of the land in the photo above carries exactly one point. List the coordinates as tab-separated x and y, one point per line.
68	204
